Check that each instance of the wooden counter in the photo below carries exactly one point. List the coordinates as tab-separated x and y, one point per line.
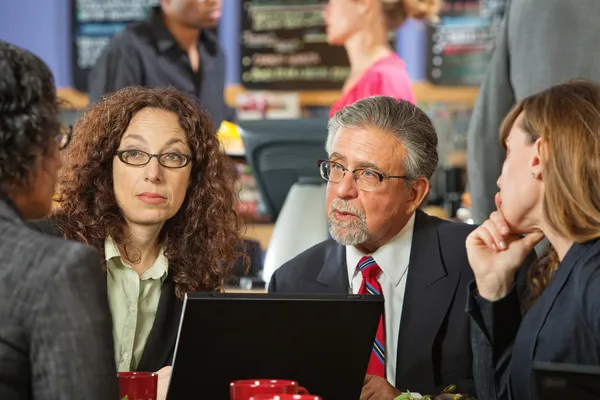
424	92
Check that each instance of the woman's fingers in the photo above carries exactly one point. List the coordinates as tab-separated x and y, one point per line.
483	234
498	239
500	222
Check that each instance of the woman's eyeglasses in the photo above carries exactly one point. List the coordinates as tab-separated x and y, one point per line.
140	158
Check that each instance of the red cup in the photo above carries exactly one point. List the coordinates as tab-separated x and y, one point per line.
138	385
245	389
285	397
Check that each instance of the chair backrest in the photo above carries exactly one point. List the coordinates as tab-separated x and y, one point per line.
281	153
68	116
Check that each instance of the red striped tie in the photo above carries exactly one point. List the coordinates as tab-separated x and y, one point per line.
370	271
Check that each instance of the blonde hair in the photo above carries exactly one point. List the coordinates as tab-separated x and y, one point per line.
397	11
567	118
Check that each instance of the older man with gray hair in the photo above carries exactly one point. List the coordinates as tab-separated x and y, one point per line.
382	153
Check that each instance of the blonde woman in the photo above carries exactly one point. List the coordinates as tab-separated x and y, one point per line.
363	27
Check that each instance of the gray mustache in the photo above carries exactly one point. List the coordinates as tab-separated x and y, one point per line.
346	207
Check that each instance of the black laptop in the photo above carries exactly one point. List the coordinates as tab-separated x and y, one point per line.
567	381
322	341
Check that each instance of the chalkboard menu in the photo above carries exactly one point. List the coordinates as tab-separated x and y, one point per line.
94	23
461	44
284	47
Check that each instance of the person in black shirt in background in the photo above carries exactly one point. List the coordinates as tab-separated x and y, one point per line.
175	47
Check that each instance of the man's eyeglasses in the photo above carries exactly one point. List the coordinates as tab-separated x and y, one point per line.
140	158
365	178
63	139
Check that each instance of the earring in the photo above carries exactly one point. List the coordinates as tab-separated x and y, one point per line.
532	174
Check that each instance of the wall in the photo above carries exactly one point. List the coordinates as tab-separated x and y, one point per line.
46	32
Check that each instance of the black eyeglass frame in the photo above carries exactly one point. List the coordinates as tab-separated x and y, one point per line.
355	177
188	158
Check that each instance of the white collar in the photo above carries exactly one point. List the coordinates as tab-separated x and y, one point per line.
392	257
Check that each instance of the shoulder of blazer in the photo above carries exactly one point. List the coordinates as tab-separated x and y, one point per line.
315	256
452	238
45	225
307	265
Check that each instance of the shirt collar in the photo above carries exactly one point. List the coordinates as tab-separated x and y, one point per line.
8	208
158	270
165	40
392	257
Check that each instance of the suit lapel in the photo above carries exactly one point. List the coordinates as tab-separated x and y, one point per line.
334	274
535	318
428	296
161	341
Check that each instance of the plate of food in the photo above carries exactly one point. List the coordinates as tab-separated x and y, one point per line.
447	394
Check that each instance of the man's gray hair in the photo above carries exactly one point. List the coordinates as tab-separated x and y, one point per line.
408	123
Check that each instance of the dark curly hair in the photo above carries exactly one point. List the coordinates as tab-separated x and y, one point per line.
29	115
199	240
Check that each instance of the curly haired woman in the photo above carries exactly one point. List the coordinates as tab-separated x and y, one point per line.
146	183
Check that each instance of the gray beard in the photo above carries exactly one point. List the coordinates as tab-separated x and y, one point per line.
347	233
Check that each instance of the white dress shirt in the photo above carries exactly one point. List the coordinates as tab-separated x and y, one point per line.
392	258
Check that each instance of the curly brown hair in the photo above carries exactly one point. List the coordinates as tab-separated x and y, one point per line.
199	240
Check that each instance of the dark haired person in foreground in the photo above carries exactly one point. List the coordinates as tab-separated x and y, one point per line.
55	326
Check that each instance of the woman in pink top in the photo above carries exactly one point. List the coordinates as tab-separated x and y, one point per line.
362	27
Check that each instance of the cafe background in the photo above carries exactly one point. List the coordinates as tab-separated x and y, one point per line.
278	66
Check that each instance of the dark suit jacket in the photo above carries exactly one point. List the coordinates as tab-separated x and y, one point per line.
55	326
161	342
562	326
433	345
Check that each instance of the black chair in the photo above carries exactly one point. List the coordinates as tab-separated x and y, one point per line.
282	153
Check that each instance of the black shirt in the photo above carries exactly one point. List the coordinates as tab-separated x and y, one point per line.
147	54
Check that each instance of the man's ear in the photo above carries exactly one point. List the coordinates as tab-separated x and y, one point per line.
417	193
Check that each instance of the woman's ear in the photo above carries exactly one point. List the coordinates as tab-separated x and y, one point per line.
539	153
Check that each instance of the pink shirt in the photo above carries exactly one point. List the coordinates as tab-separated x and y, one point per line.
387	77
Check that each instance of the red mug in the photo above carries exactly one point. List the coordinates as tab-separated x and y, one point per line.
245	389
138	385
285	397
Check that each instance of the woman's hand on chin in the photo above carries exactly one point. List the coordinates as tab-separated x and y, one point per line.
495	253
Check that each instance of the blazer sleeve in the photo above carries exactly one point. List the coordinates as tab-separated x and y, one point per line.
494	327
484	153
493	330
72	350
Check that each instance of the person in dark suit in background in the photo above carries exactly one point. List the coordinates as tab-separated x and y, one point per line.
55	326
176	47
147	184
382	152
560	36
548	187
